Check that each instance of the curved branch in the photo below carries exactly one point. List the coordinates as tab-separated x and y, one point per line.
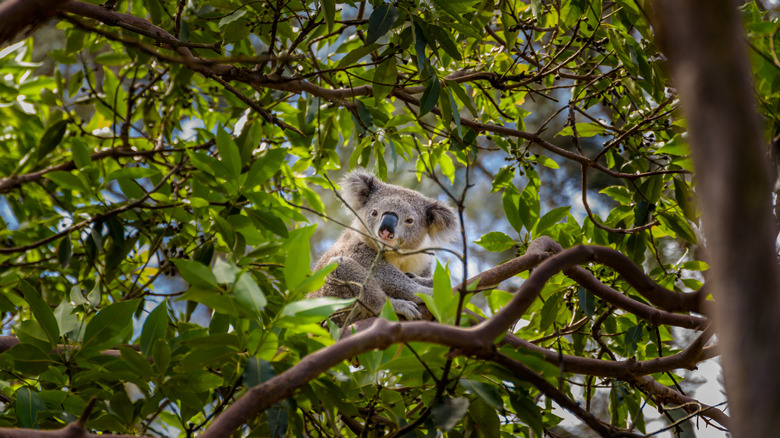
129	22
627	369
539	250
568	258
655	293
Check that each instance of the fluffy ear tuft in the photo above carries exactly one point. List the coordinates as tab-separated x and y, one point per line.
357	186
442	222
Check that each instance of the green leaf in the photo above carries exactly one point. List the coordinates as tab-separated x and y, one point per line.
28	404
209	165
484	419
443	304
551	217
257	371
511	204
29	359
231	17
550	312
486	392
296	264
137	361
385	76
527	411
155	327
357	54
270	222
66	320
584	130
161	353
495	241
248	293
571	12
643	213
107	324
329	10
464	98
196	274
679	225
509	24
132	173
42	312
236	31
66	180
446	41
228	152
685	199
219	302
618	193
265	167
447	412
316	279
455	7
529	206
112	58
587	301
225	271
547	162
317	308
430	96
51	138
81	155
380	22
631	339
419	46
64	252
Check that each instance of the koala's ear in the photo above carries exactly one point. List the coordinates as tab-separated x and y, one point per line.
357	186
442	222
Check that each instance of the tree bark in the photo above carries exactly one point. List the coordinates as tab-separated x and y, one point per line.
704	41
18	15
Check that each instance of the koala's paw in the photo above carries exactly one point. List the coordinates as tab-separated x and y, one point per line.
406	308
424	290
423	281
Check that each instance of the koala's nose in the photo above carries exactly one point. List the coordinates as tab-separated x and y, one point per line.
387	226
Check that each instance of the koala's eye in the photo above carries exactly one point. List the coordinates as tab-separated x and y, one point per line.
374	213
410	221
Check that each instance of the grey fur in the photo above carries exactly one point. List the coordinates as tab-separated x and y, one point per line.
421	223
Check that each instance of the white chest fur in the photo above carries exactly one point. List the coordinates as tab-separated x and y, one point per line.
416	263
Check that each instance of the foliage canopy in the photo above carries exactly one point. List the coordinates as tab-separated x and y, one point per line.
146	142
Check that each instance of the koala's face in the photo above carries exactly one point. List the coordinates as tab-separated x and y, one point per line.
395	215
396	221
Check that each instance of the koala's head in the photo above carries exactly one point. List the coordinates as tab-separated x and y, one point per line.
396	215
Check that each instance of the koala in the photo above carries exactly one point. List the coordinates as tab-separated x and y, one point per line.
397	220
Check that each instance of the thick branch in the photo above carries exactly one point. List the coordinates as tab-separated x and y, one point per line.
18	15
627	369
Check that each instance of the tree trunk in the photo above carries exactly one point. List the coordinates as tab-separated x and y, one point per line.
705	43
